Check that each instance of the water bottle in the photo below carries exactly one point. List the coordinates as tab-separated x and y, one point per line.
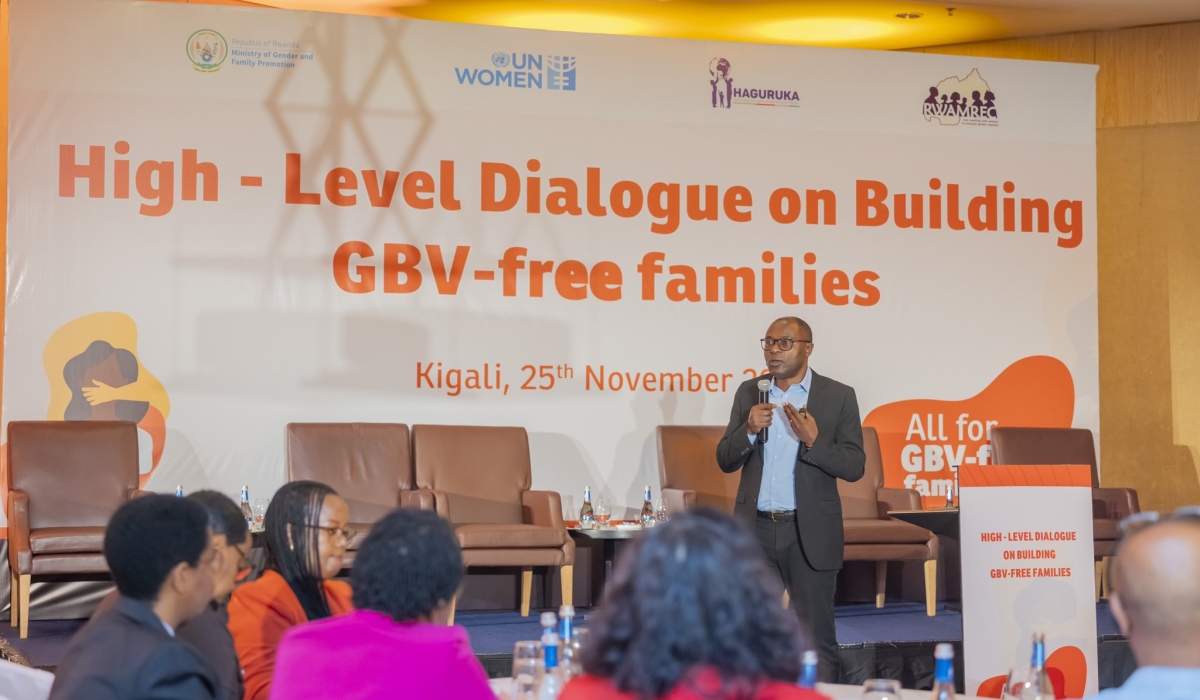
943	676
552	681
647	509
808	672
569	663
179	491
1038	686
587	518
246	507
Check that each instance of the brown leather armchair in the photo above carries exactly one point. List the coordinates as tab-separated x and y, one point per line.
481	482
368	464
1070	446
871	535
688	471
65	480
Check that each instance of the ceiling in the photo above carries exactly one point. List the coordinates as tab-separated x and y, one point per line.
849	23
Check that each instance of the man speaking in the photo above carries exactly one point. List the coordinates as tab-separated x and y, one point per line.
793	441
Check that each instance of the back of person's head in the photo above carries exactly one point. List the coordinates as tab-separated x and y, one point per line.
408	567
148	537
224	516
1156	595
693	593
291	536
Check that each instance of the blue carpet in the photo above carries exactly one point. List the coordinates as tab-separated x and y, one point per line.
496	632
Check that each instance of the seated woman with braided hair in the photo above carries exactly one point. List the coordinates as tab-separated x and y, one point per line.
692	614
306	537
396	644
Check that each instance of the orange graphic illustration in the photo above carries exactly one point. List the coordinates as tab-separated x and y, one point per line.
1066	667
924	441
95	374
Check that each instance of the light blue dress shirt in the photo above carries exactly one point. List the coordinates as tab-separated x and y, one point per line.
778	489
1157	683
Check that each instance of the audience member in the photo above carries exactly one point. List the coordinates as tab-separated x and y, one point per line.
209	631
691	613
158	550
397	643
305	538
1156	601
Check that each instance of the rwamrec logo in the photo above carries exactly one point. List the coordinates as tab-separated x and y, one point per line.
207	50
955	101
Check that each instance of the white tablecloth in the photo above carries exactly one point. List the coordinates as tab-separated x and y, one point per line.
504	686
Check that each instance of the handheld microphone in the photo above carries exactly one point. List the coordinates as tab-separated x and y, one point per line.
764	396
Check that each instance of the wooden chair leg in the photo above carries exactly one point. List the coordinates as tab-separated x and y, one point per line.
931	587
1099	578
526	589
787	600
567	574
24	582
12	597
880	583
453	607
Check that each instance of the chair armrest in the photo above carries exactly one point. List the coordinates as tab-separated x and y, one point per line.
137	493
678	500
417	498
543	508
897	499
1114	503
441	501
20	558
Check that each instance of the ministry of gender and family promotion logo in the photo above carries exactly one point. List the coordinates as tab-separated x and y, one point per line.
207	49
725	93
968	100
527	71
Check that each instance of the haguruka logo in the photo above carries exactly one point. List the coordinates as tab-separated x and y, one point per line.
523	70
955	101
725	94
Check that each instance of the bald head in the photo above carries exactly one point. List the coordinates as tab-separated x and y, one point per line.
1157	598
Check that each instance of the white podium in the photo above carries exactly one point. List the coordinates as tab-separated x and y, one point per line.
1027	566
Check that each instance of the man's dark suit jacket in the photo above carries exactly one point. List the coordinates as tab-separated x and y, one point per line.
836	454
126	654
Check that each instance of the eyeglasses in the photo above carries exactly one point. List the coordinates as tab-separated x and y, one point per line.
1141	521
784	344
333	532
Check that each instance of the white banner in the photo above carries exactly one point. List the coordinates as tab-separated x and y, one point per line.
1027	567
222	220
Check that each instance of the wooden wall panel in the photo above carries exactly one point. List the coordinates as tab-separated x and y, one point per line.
1148	75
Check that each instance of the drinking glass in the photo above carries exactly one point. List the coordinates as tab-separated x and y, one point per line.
260	511
570	515
881	689
603	511
526	657
1014	683
660	511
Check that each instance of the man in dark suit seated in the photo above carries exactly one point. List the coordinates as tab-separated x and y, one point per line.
159	551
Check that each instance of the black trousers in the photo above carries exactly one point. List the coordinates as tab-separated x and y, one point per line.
811	591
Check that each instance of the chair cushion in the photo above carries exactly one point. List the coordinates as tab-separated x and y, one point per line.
1104	529
882	531
66	540
506	536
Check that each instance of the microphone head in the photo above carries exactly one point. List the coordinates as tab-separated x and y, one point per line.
764	385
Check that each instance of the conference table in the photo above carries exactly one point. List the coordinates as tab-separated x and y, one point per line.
503	687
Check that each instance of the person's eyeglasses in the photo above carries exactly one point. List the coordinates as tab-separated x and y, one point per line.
333	532
784	344
1143	520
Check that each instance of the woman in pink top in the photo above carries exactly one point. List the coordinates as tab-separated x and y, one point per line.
397	644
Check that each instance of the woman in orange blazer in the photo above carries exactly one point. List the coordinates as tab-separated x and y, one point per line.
305	535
